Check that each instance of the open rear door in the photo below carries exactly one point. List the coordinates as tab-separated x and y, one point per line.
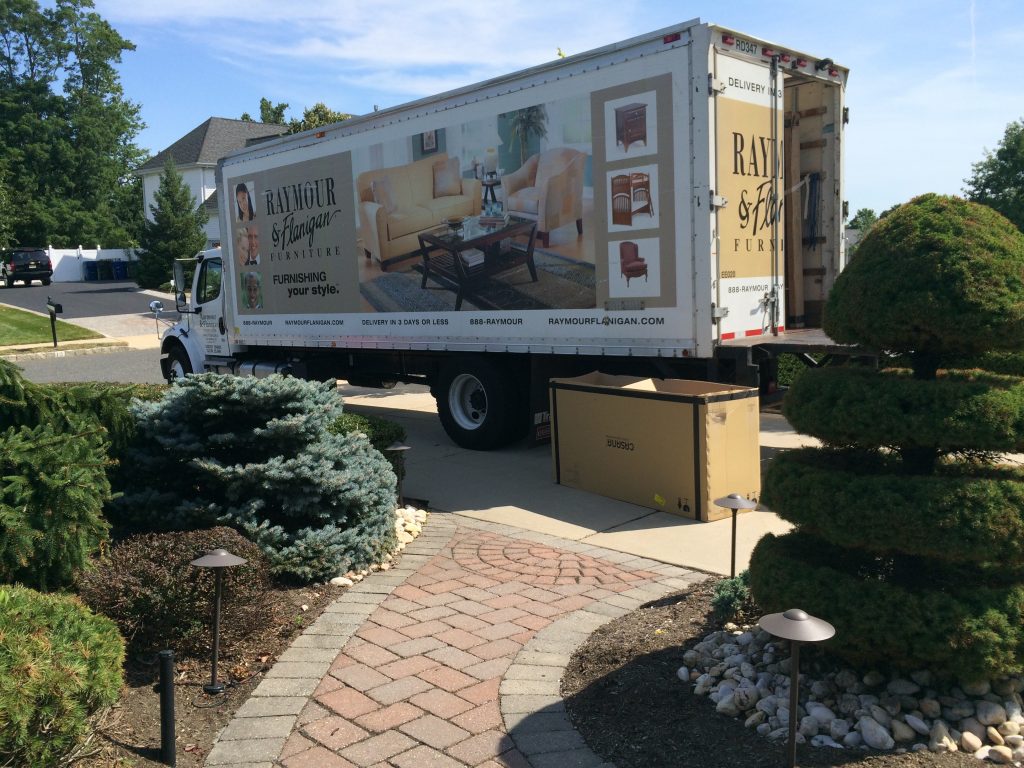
749	176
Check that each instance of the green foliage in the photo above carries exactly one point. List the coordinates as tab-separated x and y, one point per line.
906	613
862	220
59	665
731	595
51	504
66	130
938	277
317	116
915	557
7	211
525	124
962	514
158	600
176	231
269	112
998	179
958	411
258	455
380	432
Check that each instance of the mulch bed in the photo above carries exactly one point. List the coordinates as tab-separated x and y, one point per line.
623	695
129	735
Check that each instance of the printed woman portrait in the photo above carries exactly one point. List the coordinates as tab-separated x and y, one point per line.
247	246
252	290
244	210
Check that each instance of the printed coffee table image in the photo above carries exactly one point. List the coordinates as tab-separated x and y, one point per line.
462	257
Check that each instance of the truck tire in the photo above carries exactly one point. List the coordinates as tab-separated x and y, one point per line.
479	404
180	365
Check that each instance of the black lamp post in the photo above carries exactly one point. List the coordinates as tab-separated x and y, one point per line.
735	502
399	447
218	560
797	627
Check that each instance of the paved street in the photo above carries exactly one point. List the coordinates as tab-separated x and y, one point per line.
85	299
130	365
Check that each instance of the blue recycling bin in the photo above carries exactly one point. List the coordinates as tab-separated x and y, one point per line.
120	269
90	271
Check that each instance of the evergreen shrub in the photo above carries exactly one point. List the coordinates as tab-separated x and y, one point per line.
961	514
381	433
907	535
731	595
258	455
959	410
59	665
51	504
158	600
905	613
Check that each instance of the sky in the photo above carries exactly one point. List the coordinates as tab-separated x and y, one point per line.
933	83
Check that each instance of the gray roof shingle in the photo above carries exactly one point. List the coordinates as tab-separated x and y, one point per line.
210	141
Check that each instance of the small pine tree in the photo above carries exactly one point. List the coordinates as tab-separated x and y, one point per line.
175	232
259	455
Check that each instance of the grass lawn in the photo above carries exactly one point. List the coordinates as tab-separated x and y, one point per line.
19	327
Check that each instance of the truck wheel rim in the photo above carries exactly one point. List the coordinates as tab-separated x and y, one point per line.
467	401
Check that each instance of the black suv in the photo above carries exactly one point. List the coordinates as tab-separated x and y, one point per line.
25	264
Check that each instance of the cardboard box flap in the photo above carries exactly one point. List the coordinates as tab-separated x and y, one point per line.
683	388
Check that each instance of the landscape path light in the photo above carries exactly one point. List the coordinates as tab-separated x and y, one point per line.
735	502
798	627
218	560
399	448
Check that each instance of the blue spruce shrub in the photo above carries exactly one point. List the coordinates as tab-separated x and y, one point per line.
259	455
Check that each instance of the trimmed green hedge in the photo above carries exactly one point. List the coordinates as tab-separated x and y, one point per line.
59	665
964	513
954	282
923	618
960	410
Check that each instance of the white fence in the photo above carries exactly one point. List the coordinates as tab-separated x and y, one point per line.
69	264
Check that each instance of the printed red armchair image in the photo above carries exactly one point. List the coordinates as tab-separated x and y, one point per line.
631	263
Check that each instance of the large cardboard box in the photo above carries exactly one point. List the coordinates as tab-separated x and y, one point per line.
667	444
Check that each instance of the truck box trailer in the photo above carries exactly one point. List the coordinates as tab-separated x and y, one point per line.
667	206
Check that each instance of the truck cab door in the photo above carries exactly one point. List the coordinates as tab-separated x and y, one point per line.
209	307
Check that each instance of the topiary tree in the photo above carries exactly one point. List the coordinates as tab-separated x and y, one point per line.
908	537
59	665
259	455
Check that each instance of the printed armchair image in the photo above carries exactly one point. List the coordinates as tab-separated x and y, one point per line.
630	261
548	189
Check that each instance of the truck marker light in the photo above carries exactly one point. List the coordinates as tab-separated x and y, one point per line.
675	36
728	39
801	62
784	58
769	52
320	134
834	72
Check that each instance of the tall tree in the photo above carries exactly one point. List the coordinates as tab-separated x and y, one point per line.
175	232
67	131
998	180
316	116
862	220
269	112
6	211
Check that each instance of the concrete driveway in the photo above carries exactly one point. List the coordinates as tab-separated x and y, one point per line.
515	486
118	309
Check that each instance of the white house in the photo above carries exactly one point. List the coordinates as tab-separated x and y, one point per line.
196	154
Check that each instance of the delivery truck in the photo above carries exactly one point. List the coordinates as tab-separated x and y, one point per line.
667	206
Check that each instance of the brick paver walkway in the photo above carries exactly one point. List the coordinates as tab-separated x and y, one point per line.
453	658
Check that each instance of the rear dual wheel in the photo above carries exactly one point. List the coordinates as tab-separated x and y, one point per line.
481	403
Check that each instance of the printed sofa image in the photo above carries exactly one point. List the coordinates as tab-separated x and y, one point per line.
396	204
548	189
